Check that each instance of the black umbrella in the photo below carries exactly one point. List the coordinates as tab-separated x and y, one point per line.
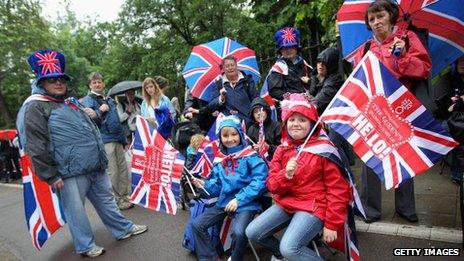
124	86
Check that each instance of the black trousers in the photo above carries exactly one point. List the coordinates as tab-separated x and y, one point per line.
371	195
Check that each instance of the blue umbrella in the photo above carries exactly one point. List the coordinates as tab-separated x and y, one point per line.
203	65
444	19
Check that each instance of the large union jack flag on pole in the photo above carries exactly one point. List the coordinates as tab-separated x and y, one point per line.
390	130
203	65
156	170
44	215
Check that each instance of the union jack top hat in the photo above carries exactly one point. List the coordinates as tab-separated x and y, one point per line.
287	37
48	64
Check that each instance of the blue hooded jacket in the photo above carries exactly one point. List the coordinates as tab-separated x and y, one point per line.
240	177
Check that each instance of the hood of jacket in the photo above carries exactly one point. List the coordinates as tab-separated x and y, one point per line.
330	57
233	122
260	102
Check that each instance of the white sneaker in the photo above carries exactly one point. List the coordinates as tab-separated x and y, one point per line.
94	252
135	230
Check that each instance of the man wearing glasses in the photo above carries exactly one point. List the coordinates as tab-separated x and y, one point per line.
67	152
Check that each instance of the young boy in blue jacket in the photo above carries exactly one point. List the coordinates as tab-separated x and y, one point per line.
238	180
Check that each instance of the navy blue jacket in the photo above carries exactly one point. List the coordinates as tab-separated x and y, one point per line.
108	122
61	140
237	99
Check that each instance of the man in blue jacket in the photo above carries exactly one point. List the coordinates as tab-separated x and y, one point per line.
67	152
105	115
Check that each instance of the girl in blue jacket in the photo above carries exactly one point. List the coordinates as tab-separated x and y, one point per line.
238	180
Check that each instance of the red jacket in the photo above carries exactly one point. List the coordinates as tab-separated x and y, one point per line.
413	64
317	186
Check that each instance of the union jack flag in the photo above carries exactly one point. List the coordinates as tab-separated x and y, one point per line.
281	68
203	65
49	62
208	150
390	130
44	215
226	233
156	170
346	241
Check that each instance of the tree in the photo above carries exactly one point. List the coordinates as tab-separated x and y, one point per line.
22	31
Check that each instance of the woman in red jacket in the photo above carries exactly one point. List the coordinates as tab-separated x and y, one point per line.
402	52
310	192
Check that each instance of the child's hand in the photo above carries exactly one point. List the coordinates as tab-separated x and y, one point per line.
256	147
199	183
152	121
329	235
231	206
290	169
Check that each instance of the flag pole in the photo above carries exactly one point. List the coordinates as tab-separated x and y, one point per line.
190	185
203	188
307	138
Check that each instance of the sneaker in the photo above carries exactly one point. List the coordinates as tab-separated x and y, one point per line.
125	205
94	252
135	230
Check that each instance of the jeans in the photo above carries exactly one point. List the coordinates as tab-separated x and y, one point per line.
213	215
97	188
302	228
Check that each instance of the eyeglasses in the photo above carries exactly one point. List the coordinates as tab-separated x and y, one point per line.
55	80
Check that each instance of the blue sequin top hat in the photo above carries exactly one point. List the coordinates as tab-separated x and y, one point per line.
48	64
287	37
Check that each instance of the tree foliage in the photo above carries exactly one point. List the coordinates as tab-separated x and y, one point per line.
149	38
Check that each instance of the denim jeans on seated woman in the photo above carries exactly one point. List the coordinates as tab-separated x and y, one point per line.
205	250
302	228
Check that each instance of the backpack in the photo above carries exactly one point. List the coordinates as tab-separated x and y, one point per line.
197	207
181	134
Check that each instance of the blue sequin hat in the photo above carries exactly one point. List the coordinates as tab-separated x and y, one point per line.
287	37
48	64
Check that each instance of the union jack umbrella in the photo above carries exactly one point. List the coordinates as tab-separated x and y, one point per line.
444	19
390	130
156	170
8	134
203	65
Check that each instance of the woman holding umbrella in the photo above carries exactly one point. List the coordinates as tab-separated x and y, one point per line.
128	109
157	108
404	55
234	91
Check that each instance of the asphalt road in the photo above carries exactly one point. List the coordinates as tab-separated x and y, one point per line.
161	242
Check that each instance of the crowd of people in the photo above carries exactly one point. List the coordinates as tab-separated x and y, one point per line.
79	147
